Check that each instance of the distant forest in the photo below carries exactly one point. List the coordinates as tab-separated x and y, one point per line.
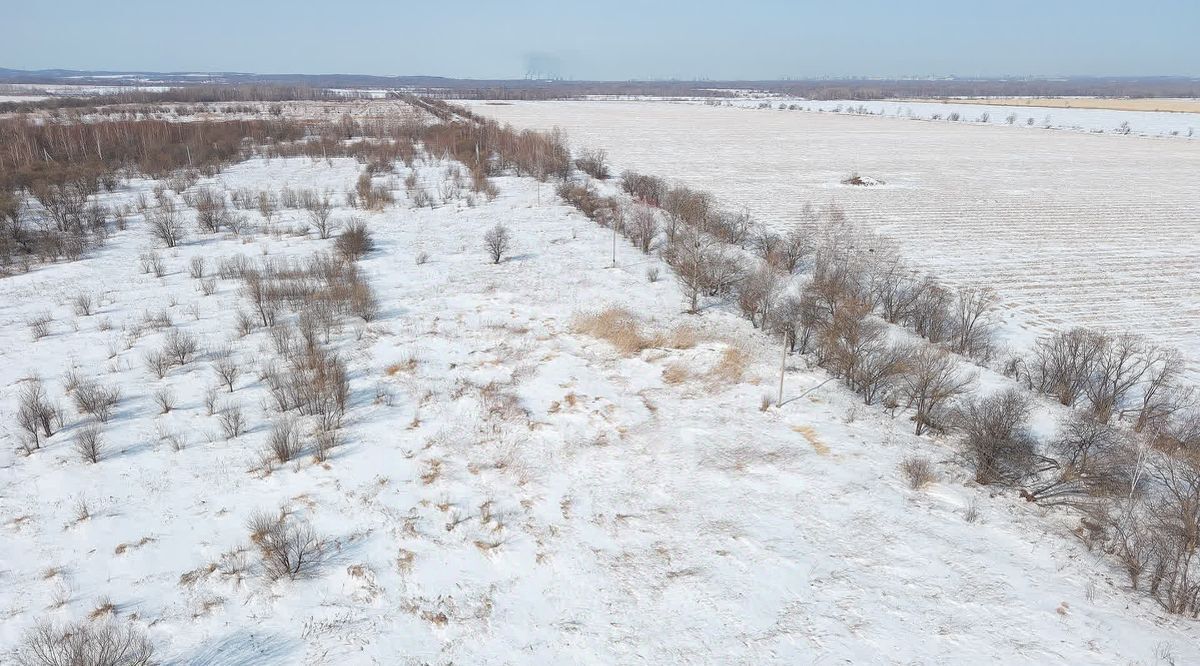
308	86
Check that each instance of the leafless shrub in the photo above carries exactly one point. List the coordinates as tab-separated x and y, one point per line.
998	443
36	414
267	205
371	196
363	302
355	241
166	225
931	313
1119	367
157	363
71	379
88	444
85	644
196	268
233	422
756	293
284	441
652	274
227	367
594	163
319	210
211	210
210	401
39	325
152	262
642	227
918	471
497	241
315	383
972	330
422	258
932	379
879	367
324	443
702	267
93	399
165	399
1087	459
208	286
289	548
83	303
180	347
245	323
650	190
1162	396
1062	364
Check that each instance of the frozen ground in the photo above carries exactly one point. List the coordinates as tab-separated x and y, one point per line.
1071	228
512	491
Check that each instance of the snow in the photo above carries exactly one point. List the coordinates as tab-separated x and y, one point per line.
527	495
1070	228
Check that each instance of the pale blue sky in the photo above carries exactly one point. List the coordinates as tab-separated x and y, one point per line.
608	39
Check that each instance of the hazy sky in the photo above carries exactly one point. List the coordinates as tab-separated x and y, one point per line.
608	39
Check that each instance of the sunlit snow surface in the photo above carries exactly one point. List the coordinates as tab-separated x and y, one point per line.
1072	227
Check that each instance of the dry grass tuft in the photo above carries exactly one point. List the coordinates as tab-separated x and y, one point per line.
407	365
675	373
618	327
918	471
623	330
732	365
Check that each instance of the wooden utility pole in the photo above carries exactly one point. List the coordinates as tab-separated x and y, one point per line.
782	370
614	244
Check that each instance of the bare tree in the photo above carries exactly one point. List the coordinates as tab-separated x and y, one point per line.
1119	366
594	163
290	548
319	210
165	223
1162	396
931	381
1063	363
355	240
1088	458
233	422
94	399
36	414
972	333
88	444
756	293
85	644
998	443
180	347
284	440
497	241
642	227
165	399
227	367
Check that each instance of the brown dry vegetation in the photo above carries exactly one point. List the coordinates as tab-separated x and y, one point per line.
623	330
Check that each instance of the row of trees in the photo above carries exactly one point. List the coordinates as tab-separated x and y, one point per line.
1128	456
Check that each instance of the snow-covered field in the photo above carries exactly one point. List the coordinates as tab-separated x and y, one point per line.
510	490
1071	228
